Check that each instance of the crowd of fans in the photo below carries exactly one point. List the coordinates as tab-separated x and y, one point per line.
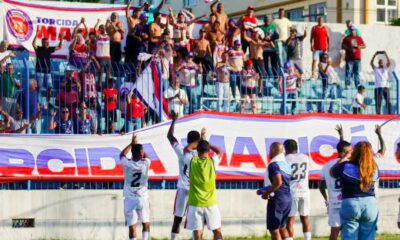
237	56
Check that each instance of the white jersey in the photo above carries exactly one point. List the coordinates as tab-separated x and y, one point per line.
136	176
184	163
300	167
332	184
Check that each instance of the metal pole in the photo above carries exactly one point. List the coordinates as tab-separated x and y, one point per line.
282	74
26	65
160	80
397	92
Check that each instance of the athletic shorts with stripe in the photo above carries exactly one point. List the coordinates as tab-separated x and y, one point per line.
180	205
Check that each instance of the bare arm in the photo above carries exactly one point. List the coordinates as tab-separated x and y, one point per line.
322	189
128	9
128	148
60	45
35	38
191	15
382	144
213	7
275	185
75	32
160	6
196	19
96	27
388	63
170	134
339	129
216	150
372	61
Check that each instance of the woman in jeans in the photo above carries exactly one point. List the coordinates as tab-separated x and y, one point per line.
359	210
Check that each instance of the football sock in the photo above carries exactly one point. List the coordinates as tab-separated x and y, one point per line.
145	235
307	236
174	236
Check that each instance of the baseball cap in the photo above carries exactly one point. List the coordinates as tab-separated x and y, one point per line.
190	54
287	65
248	62
250	8
202	30
353	28
143	16
237	42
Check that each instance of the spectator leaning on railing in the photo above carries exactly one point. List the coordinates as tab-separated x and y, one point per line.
64	124
382	82
329	79
222	84
293	81
176	97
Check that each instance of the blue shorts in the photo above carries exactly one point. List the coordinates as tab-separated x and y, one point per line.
277	213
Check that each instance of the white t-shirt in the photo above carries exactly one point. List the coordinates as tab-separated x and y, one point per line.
15	125
331	73
381	77
282	27
184	164
175	104
360	98
3	55
300	164
332	184
103	46
136	177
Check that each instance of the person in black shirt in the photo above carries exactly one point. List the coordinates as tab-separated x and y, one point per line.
43	64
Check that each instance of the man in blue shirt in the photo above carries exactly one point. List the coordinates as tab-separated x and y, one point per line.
279	197
150	10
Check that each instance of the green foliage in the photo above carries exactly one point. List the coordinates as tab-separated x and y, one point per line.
395	22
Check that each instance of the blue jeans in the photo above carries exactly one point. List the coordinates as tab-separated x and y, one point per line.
282	54
134	124
192	99
353	69
359	217
328	91
235	80
291	95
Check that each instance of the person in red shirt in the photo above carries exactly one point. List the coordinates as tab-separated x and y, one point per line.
79	51
319	43
68	97
249	22
110	96
353	45
136	110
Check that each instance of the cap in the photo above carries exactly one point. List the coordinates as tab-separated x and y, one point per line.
353	28
202	30
250	8
248	63
190	54
143	16
3	43
114	14
237	42
287	65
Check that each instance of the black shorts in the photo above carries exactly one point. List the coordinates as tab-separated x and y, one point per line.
247	90
278	213
115	51
110	116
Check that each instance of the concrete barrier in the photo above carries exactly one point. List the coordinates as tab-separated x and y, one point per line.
98	214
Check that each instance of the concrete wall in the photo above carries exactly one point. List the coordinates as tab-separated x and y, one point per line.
98	214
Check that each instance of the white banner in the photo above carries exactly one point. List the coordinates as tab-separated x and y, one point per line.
245	140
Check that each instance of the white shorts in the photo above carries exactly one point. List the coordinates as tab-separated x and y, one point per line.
300	205
317	54
333	217
198	216
136	209
180	205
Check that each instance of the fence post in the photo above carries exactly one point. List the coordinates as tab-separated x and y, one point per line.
160	110
283	106
26	65
397	92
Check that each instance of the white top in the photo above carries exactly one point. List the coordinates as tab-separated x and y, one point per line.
15	125
103	46
175	104
300	164
184	164
136	177
381	77
282	27
360	98
332	184
3	55
331	73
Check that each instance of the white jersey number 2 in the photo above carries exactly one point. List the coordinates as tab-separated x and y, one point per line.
136	179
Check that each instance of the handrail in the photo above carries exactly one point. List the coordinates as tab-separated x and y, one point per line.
26	65
397	92
284	97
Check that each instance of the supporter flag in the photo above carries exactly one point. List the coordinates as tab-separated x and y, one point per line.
147	88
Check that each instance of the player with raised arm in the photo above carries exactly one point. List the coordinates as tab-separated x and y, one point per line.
203	204
184	157
299	188
136	198
334	198
279	196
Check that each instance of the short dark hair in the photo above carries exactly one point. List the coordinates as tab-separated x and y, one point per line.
290	146
281	9
156	14
398	145
180	14
341	145
92	33
136	149
193	136
203	147
360	88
